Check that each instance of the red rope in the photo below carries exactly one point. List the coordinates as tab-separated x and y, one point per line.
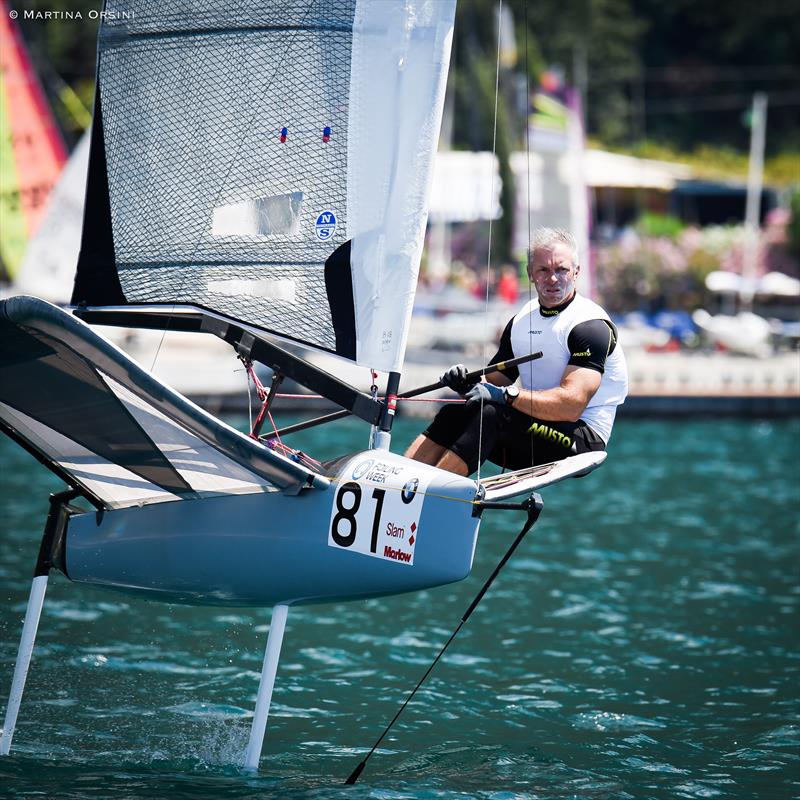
275	429
399	399
260	390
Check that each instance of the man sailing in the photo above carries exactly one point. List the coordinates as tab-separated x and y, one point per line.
545	410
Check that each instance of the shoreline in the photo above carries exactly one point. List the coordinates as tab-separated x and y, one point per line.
662	385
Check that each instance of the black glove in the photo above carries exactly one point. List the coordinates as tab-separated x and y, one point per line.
456	379
486	393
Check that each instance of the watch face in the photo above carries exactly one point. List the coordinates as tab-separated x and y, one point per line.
512	393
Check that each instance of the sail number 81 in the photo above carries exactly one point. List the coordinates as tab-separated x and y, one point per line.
343	524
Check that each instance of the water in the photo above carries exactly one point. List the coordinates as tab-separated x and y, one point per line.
643	642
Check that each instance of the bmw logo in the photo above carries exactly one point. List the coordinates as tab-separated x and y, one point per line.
409	490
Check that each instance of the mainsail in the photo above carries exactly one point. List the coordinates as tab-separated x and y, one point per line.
269	163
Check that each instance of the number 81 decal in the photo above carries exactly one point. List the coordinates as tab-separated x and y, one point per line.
379	521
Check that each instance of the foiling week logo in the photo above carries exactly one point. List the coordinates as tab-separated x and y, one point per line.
361	469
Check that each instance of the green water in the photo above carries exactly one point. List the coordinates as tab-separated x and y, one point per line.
642	643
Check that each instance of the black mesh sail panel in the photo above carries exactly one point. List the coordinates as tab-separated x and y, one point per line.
219	163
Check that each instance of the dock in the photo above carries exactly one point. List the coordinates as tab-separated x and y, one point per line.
662	385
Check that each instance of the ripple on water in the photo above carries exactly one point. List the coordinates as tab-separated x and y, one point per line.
783	736
651	765
209	710
609	721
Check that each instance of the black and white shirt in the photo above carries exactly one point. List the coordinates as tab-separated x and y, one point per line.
579	333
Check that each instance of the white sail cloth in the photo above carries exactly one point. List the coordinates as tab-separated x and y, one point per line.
397	87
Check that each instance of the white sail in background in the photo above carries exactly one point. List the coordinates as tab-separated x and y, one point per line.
48	267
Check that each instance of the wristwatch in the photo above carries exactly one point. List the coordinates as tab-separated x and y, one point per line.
511	393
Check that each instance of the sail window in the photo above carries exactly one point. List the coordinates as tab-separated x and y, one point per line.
280	289
278	215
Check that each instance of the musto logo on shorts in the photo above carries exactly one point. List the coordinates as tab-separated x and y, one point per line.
546	432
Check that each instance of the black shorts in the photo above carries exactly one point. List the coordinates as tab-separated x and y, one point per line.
508	437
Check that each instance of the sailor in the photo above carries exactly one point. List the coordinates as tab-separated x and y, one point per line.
557	406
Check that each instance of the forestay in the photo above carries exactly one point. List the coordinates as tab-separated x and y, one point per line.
113	430
270	162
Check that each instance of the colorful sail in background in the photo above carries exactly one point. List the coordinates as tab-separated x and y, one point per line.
32	152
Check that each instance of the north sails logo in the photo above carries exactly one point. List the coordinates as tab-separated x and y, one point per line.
325	225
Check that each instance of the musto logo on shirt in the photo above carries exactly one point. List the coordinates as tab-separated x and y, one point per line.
325	226
376	513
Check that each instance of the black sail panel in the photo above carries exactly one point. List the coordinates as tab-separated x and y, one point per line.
97	281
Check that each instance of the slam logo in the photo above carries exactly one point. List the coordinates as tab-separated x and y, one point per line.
325	226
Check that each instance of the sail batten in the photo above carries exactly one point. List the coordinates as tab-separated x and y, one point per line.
269	162
329	27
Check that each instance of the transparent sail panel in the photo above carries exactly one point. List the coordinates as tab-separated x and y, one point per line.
225	140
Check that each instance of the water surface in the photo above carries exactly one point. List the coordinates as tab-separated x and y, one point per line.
643	642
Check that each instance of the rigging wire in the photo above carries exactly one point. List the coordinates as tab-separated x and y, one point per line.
491	227
533	505
528	195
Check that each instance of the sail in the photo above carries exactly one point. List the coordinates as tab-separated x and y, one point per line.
48	266
268	161
31	151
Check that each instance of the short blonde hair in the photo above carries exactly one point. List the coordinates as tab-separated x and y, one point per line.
547	238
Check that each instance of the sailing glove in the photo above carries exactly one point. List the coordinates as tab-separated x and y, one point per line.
456	379
486	393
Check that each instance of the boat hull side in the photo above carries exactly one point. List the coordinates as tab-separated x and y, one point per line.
268	548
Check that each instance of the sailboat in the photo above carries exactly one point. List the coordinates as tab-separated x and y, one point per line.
32	153
258	173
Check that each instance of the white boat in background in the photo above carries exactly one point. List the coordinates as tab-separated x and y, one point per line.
744	333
